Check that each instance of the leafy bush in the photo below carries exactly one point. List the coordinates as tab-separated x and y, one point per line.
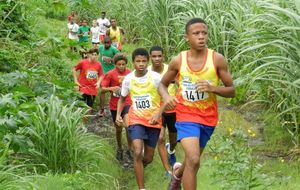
55	133
235	167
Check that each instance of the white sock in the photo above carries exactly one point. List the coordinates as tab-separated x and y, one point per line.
169	151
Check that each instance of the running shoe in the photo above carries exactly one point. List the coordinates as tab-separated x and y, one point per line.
175	183
172	156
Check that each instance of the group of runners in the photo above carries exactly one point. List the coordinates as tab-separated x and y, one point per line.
81	33
179	96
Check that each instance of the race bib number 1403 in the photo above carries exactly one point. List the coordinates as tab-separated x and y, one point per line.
142	102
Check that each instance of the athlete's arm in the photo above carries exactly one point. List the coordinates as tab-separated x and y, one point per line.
99	82
75	76
111	89
168	77
123	35
120	107
228	89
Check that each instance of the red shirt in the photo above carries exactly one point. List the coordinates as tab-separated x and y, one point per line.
89	73
115	78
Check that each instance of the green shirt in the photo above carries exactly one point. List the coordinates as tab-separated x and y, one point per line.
110	52
85	31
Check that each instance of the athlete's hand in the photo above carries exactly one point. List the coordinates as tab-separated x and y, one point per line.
107	59
119	120
204	86
154	119
170	102
97	85
115	89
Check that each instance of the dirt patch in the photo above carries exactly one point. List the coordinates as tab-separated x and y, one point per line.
104	127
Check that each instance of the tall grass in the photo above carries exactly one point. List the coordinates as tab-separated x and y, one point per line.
59	142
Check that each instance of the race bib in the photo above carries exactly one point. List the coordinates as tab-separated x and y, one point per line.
142	102
85	33
91	74
190	93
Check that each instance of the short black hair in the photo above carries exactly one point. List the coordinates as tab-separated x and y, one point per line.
120	56
156	48
193	21
140	51
106	39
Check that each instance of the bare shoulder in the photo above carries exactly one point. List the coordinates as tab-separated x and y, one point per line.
175	63
219	60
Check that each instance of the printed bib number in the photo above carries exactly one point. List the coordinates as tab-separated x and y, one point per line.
142	102
91	74
85	34
190	93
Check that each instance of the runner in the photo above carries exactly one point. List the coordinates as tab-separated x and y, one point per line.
112	83
107	52
95	32
144	114
103	24
166	153
72	35
197	71
83	33
71	16
116	34
89	77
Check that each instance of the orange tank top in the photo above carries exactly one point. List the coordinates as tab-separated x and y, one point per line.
145	102
195	106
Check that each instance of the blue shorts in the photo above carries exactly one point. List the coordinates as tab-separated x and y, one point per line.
190	129
148	134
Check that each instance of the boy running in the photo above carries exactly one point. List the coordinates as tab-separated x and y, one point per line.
89	76
103	24
107	52
144	113
197	71
72	34
116	34
83	33
95	32
112	82
166	153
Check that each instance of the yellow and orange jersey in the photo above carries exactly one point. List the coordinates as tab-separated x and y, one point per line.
195	106
145	98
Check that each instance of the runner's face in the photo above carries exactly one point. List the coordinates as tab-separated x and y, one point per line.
113	23
140	62
157	58
103	15
197	36
121	65
94	56
84	23
107	44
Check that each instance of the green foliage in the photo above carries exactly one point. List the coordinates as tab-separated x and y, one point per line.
13	24
235	167
87	9
56	9
55	133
